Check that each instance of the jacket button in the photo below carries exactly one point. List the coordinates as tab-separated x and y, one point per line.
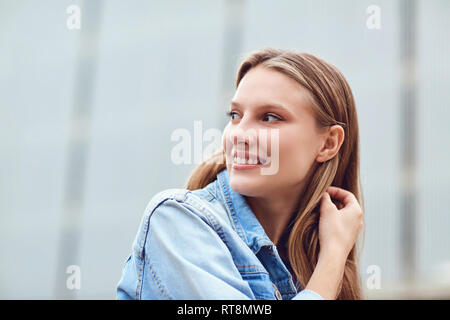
277	293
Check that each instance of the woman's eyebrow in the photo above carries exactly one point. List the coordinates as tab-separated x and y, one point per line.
265	105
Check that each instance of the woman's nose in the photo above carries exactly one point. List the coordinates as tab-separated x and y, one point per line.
243	137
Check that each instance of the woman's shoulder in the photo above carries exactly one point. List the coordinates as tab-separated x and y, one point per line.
203	201
168	200
177	210
180	236
195	200
176	194
175	201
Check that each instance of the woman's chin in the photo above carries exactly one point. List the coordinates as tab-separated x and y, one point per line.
246	185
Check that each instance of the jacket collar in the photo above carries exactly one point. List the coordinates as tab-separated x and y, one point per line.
242	217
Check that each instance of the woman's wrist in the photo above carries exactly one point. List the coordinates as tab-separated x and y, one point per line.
336	254
327	275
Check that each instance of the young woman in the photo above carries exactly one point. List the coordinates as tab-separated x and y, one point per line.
236	232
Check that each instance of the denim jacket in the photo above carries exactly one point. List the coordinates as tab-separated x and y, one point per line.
205	244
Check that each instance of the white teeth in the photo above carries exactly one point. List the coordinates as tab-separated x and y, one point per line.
243	161
250	161
239	160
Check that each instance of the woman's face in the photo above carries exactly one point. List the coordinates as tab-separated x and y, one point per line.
269	101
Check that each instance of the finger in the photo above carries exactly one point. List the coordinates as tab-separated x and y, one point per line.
326	202
345	197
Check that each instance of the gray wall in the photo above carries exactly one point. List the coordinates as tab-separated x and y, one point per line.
162	65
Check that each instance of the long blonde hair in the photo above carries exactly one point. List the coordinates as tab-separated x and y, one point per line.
333	103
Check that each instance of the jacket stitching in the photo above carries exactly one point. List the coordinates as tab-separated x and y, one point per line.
159	201
215	189
156	279
211	221
150	209
138	285
252	272
218	229
252	266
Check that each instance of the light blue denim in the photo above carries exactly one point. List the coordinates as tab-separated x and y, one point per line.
205	244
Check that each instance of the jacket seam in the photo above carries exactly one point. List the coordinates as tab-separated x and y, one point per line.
158	201
218	229
142	254
137	293
252	272
156	279
210	219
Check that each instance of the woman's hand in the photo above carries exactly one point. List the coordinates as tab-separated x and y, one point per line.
339	225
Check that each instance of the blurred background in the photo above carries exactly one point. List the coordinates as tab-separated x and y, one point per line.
87	111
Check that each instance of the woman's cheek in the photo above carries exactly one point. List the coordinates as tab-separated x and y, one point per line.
293	159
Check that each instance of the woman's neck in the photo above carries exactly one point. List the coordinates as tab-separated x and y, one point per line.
274	213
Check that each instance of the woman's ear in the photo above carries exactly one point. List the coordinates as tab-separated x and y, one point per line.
331	143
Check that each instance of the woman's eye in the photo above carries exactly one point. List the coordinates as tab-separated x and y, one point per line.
266	116
231	114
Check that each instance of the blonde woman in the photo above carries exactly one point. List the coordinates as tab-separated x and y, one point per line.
235	232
